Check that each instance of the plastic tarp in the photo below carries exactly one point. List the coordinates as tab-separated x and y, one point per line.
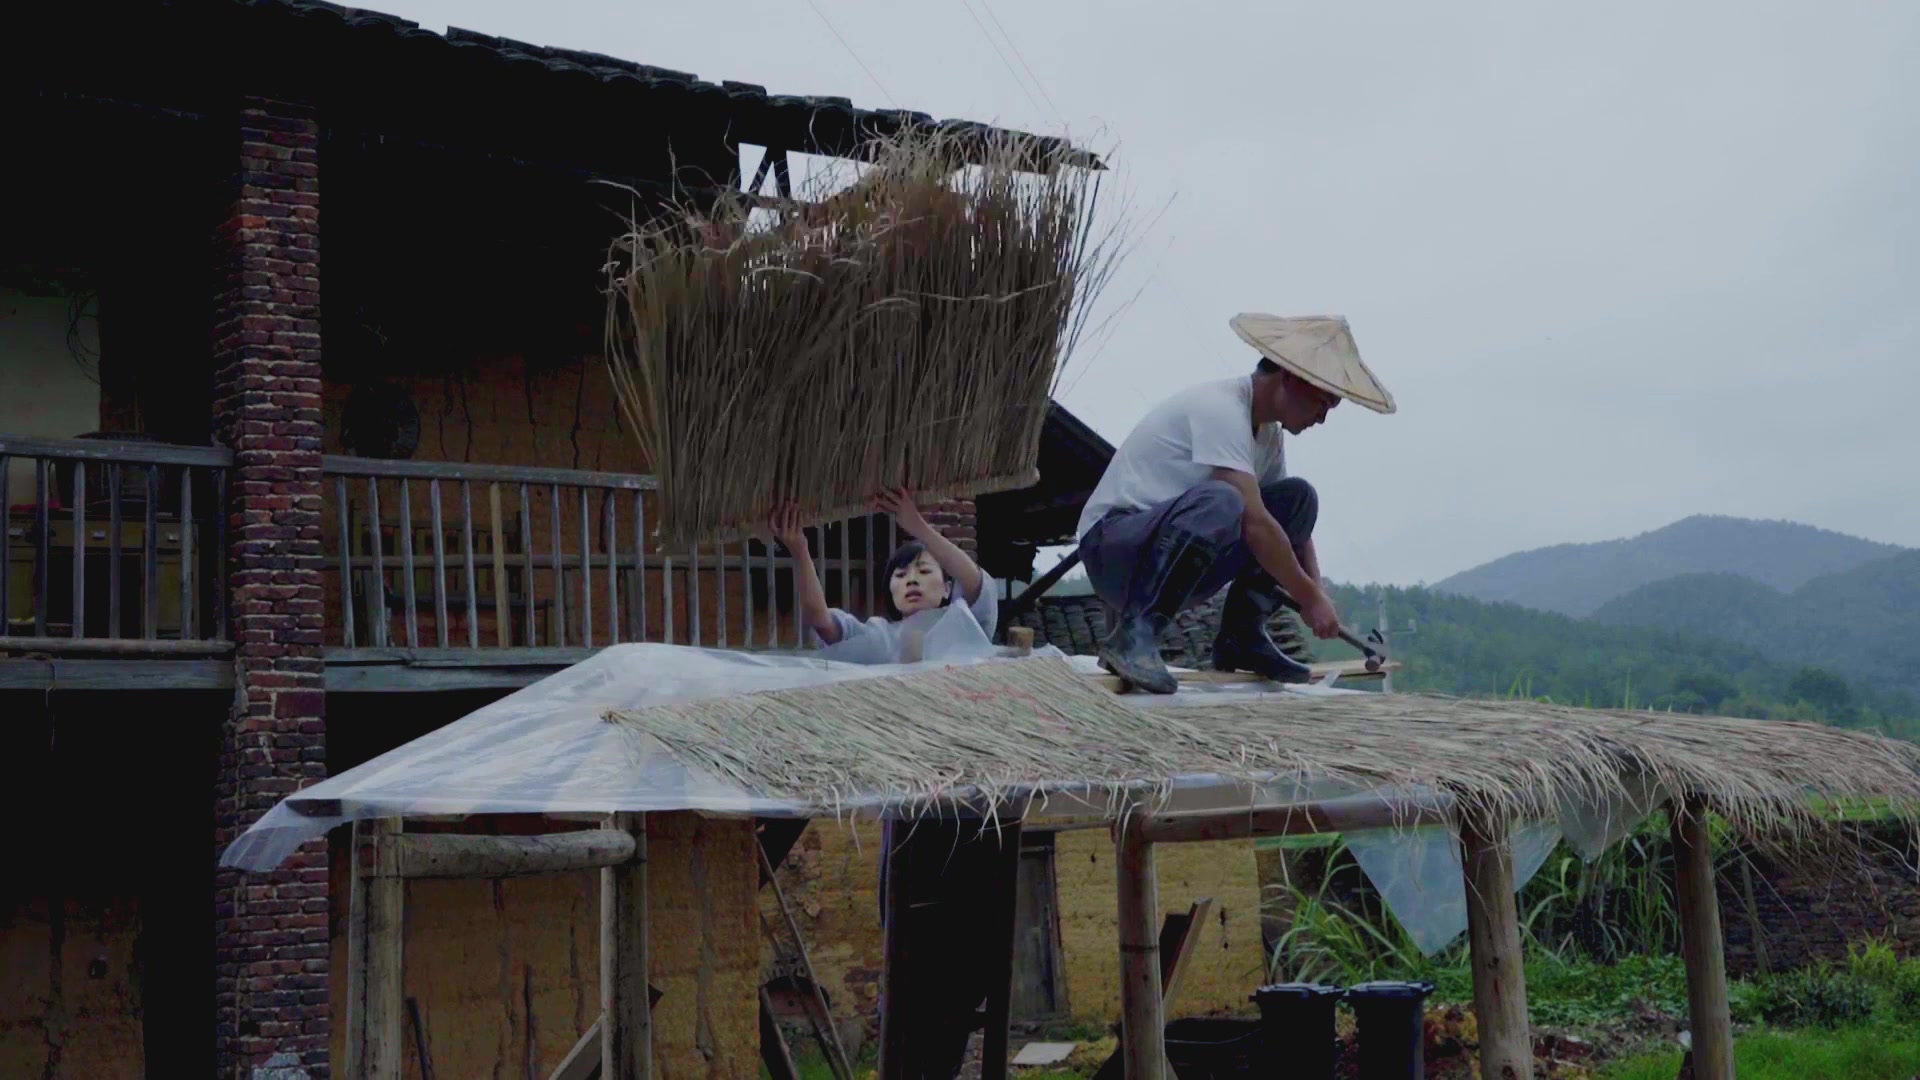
548	749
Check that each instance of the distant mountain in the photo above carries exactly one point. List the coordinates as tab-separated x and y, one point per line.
1463	646
1577	579
1863	623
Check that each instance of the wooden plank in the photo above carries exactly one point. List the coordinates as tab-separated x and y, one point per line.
583	1061
113	647
439	541
1301	819
6	542
528	632
773	1045
188	620
345	540
640	571
502	613
586	573
80	553
896	1038
377	986
109	450
115	675
1347	670
1142	1020
150	561
626	1044
377	595
340	465
466	556
1493	936
557	632
836	1054
406	566
448	855
610	512
42	544
1700	941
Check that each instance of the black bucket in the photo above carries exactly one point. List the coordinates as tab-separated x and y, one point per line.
1298	1020
1392	1035
1206	1048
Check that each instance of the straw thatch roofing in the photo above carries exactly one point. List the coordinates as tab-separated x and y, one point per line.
1007	732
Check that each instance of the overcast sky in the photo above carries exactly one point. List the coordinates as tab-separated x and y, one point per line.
1619	263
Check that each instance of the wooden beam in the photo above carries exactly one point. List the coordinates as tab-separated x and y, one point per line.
446	855
1493	933
71	646
773	1045
896	1040
626	1044
1142	1022
1700	941
1347	670
376	1003
583	1061
1302	819
1031	595
118	674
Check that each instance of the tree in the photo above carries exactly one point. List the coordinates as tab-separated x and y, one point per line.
1822	689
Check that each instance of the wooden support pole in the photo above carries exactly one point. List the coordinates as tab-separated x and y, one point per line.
1700	941
375	948
1493	932
626	1043
583	1061
896	1037
453	856
1143	1027
994	1041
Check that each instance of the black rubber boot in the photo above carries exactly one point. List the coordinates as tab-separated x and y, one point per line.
1243	643
1132	649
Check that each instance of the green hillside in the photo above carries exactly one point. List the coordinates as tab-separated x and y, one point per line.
1577	579
1863	623
1468	647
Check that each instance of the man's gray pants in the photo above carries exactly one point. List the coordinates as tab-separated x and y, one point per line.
1127	552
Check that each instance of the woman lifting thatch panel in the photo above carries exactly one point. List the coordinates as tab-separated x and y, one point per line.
906	332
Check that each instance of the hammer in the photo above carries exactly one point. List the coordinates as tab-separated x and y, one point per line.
1375	658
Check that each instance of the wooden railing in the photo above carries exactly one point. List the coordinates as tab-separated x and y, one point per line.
112	545
444	555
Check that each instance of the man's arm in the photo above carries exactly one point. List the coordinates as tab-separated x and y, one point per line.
1273	550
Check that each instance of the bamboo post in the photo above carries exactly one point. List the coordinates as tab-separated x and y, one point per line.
626	1043
994	1042
1700	941
1493	929
375	949
1143	1028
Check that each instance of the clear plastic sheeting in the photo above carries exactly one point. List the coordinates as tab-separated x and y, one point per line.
549	749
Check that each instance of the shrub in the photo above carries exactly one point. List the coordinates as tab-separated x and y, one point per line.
1816	997
1906	990
1873	961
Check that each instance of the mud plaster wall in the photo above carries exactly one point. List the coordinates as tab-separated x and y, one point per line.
70	1004
507	976
554	414
1228	963
832	878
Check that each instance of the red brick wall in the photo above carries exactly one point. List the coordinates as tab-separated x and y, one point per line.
957	521
271	948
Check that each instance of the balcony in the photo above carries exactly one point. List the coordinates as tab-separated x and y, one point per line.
437	575
444	575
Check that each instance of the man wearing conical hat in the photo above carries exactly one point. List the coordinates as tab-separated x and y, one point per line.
1198	498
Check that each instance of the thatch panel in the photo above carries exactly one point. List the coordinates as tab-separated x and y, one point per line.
904	333
1000	730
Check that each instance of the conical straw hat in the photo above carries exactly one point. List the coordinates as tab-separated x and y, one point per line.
1319	349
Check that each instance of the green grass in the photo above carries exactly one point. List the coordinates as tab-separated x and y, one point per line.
1884	1051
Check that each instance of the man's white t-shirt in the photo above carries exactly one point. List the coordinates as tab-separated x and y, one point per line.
1180	442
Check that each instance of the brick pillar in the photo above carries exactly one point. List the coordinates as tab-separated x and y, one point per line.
271	949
